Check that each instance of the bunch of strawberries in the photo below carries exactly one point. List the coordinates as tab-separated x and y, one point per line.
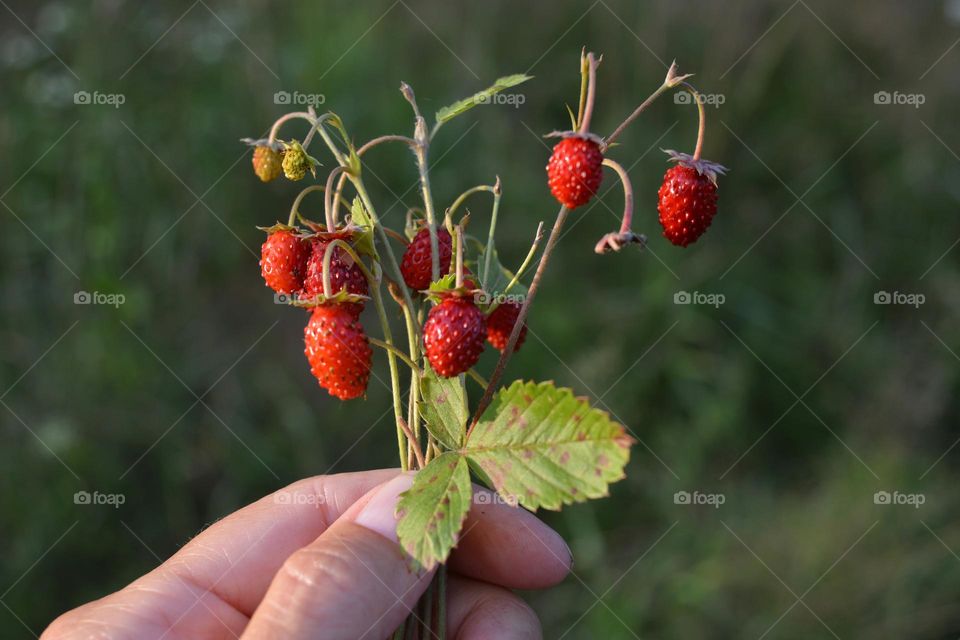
336	345
319	269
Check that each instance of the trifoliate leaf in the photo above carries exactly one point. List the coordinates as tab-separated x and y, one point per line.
481	97
444	408
432	511
542	447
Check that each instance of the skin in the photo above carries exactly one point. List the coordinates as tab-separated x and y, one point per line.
319	559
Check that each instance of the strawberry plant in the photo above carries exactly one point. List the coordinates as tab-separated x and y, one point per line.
535	444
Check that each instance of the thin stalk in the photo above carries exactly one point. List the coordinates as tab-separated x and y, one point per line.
275	129
701	116
584	73
469	192
397	352
480	380
459	263
391	258
587	115
521	317
633	116
488	252
328	198
394	374
526	261
295	209
442	602
412	439
422	150
382	139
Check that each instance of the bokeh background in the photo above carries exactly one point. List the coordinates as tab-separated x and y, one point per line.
794	402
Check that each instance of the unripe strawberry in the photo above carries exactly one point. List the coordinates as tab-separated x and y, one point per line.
575	170
266	163
296	162
453	336
500	324
338	351
417	266
283	261
344	275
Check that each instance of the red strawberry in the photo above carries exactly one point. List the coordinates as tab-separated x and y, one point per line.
453	336
575	171
283	261
500	324
417	266
688	198
338	351
344	274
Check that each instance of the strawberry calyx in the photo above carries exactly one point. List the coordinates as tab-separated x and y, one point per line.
576	134
319	300
704	167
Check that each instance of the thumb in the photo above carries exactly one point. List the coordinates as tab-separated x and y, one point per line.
354	581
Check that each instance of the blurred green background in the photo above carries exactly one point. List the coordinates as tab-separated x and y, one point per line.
796	400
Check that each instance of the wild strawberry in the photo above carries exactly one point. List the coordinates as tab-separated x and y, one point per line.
283	260
500	324
296	161
688	198
338	351
453	336
417	266
266	163
344	275
575	170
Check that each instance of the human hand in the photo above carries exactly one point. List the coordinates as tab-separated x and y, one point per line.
320	559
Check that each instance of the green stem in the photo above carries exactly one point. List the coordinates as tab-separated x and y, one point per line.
488	252
526	261
295	209
422	149
469	192
397	352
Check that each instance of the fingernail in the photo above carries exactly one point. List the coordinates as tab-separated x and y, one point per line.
379	514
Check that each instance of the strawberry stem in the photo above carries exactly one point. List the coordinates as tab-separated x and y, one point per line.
587	114
702	117
328	199
521	317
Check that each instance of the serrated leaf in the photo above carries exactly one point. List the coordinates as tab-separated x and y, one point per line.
451	111
432	511
543	447
444	408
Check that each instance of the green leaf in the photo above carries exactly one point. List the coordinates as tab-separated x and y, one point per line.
543	447
499	277
451	111
444	408
432	511
363	241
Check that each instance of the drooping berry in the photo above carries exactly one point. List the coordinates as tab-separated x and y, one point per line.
453	336
575	171
500	324
296	162
338	351
266	163
283	261
687	200
417	266
344	275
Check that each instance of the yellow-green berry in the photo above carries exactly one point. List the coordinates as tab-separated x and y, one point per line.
266	163
296	162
